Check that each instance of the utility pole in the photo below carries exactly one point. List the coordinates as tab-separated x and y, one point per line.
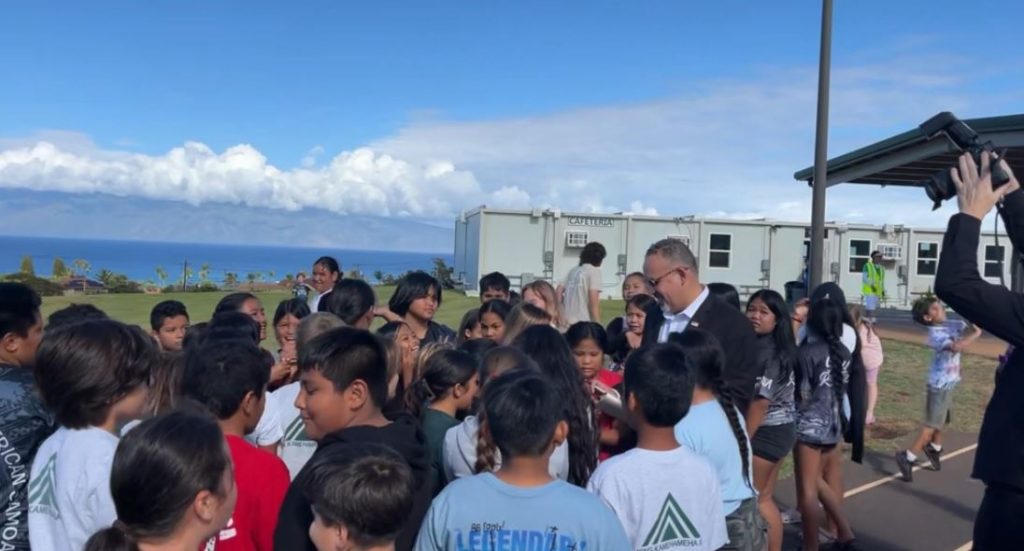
821	150
184	277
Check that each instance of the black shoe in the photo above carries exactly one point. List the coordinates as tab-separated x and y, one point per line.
849	545
933	456
906	468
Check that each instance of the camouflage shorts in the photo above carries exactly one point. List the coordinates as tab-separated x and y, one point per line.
747	529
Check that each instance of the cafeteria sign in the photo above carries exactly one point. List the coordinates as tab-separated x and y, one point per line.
591	221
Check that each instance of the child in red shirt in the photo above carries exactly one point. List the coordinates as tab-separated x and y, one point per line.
228	376
589	342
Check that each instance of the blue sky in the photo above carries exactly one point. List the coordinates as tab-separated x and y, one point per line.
378	108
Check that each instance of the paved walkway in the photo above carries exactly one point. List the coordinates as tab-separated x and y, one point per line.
935	512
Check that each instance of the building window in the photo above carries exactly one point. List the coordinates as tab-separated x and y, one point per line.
719	250
576	239
993	260
860	253
927	258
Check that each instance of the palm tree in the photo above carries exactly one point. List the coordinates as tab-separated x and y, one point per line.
230	279
161	275
83	268
252	277
204	273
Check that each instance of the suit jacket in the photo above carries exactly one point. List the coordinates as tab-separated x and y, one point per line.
1000	311
736	335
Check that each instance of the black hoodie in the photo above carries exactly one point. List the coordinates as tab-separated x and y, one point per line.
403	435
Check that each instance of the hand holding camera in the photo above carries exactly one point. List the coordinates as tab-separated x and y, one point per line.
976	190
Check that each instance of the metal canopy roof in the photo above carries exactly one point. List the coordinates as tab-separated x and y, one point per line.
908	158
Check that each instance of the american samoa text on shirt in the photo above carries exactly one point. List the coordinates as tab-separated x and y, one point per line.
487	536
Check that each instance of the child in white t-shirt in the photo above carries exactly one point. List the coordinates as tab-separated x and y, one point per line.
94	377
296	446
666	496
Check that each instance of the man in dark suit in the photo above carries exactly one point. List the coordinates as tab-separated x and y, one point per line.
671	269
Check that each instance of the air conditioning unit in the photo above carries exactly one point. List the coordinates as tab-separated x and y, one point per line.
684	238
575	239
890	251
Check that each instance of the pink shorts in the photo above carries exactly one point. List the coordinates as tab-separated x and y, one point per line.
871	375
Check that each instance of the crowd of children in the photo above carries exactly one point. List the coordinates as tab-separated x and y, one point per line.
517	431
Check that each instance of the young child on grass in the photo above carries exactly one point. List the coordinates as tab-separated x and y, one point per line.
946	338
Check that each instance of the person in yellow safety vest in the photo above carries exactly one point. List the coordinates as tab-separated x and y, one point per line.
873	284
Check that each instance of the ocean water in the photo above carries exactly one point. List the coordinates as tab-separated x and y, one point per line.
139	259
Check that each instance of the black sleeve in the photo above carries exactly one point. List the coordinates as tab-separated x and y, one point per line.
994	308
1012	214
743	364
293	521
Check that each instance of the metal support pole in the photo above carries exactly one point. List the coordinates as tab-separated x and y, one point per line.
821	149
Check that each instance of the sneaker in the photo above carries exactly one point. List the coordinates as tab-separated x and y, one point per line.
906	468
933	457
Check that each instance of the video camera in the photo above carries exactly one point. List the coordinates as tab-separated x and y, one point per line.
940	186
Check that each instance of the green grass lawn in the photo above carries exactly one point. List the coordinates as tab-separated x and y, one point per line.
901	380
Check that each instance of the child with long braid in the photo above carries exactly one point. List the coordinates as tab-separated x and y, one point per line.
715	429
822	377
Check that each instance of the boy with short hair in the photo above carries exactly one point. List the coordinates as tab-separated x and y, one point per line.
494	286
27	423
344	384
74	313
360	505
229	378
520	506
169	321
946	338
666	496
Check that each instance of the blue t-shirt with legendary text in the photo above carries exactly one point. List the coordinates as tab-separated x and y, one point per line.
482	513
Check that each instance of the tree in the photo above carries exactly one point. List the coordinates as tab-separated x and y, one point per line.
379	276
443	273
252	278
270	275
161	275
83	267
230	279
204	274
106	276
27	266
354	273
289	278
60	270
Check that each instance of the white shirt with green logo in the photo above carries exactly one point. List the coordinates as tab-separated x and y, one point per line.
664	499
69	489
296	447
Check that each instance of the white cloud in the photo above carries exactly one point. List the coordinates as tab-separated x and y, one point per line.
309	160
360	181
724	147
728	147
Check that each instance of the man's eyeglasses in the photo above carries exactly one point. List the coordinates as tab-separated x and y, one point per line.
654	282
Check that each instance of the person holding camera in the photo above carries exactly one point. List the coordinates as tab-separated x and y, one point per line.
999	462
